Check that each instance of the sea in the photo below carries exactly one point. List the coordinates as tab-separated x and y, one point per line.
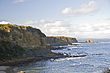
97	59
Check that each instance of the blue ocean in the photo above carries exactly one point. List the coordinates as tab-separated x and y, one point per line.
97	59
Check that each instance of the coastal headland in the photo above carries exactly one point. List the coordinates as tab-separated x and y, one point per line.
19	44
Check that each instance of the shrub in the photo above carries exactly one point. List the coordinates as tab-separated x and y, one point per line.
9	50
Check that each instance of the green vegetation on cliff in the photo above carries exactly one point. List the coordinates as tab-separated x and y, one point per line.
21	42
24	36
60	40
9	51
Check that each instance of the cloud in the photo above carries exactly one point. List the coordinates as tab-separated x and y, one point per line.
4	22
38	23
50	27
18	1
85	9
96	29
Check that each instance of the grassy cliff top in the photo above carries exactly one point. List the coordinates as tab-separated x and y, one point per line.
13	27
59	37
4	26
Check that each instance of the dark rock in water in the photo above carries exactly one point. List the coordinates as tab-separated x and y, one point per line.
98	54
68	49
80	56
57	48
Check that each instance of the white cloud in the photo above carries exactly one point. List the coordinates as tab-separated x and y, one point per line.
4	22
85	9
18	1
97	29
39	23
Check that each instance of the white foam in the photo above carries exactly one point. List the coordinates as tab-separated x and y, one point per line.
77	64
76	43
69	58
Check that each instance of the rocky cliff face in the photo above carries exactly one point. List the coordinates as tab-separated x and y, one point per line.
60	40
20	42
24	36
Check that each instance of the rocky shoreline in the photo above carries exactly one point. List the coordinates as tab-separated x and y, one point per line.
12	65
20	45
18	62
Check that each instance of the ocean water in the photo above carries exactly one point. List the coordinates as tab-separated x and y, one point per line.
96	61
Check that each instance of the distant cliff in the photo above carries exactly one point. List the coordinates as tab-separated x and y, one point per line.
60	40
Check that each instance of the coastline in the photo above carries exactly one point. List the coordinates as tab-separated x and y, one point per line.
17	62
12	65
21	45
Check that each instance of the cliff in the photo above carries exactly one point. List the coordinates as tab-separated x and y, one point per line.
21	42
24	36
60	40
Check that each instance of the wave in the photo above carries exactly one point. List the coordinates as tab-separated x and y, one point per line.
76	43
77	64
71	58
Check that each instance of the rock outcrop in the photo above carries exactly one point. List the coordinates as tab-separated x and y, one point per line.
60	40
90	41
24	36
21	42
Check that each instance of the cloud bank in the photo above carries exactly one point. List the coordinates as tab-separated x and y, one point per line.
85	9
96	30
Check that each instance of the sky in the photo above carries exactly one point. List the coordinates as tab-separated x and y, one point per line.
82	19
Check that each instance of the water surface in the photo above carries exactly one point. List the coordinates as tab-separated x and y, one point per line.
96	61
